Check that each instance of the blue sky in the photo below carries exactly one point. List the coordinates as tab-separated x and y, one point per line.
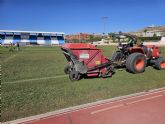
74	16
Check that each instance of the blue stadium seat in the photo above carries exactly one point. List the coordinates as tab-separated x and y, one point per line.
47	40
2	37
1	41
60	37
60	40
16	38
33	39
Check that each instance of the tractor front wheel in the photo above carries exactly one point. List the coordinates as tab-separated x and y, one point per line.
160	64
117	56
136	63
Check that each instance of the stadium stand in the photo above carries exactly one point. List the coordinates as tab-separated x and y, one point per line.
8	37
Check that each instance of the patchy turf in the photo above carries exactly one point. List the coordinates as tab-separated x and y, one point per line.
21	99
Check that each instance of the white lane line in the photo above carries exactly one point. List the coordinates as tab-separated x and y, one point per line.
35	79
145	99
123	104
106	109
10	57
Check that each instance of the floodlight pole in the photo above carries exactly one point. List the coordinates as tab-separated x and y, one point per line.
104	18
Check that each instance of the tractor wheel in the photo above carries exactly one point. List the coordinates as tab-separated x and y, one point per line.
136	63
116	56
67	69
74	76
108	73
128	63
160	64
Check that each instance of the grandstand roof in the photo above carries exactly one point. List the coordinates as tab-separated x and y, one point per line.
31	32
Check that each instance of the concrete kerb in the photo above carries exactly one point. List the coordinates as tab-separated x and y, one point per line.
80	107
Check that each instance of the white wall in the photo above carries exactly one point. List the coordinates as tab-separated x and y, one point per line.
54	42
8	41
25	40
162	39
42	42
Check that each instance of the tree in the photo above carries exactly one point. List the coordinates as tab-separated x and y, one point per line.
94	38
145	31
154	35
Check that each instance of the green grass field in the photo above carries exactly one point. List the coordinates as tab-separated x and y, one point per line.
22	97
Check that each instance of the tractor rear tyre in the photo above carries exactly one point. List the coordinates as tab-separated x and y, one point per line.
160	64
136	63
67	69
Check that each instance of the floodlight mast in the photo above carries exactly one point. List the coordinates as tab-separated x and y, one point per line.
104	18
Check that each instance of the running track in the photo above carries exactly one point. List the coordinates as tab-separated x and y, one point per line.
148	108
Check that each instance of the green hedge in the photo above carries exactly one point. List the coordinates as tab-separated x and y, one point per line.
150	38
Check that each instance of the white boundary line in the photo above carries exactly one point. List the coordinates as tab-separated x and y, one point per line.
84	106
123	104
107	108
10	57
35	79
145	99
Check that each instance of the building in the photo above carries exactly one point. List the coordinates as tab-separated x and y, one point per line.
139	34
153	30
80	36
150	31
8	37
83	37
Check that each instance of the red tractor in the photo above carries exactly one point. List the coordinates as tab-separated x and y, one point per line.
135	56
86	60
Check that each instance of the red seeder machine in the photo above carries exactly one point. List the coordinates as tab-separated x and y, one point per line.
86	60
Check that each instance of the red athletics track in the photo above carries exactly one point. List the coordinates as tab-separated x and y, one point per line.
148	108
